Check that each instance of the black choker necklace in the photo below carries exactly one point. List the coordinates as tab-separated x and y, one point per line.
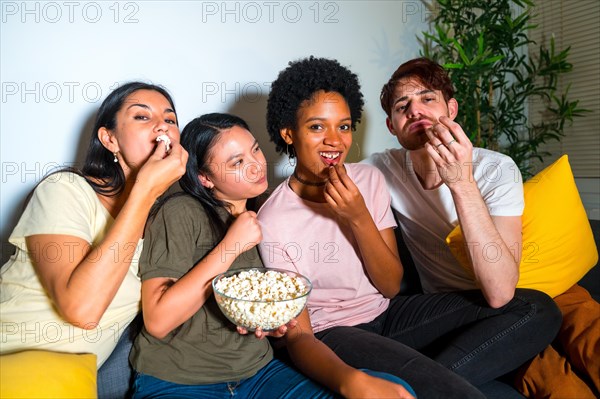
309	183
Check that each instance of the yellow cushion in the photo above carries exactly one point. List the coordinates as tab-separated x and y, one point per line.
558	243
43	374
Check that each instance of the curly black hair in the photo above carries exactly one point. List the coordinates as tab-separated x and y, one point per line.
298	83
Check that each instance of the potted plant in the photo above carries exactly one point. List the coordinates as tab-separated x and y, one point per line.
484	45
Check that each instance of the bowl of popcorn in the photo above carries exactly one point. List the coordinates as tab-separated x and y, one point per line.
261	298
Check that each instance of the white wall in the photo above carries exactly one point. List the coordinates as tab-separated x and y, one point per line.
59	60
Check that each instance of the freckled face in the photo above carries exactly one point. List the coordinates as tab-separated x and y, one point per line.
323	135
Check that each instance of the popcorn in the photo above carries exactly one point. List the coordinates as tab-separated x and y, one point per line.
166	139
257	299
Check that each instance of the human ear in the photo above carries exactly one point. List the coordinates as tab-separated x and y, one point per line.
452	108
108	140
286	135
205	181
390	126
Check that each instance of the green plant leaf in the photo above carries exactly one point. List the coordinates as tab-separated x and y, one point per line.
461	52
453	66
491	60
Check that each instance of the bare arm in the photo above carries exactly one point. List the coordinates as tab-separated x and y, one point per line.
317	361
167	303
378	248
491	247
490	239
82	281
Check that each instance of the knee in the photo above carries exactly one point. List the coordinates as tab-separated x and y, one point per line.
543	308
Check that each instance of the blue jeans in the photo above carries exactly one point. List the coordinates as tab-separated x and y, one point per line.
276	380
116	375
458	330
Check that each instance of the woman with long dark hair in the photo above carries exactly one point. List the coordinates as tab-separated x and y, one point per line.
72	284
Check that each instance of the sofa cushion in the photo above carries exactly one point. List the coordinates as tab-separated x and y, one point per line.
43	374
558	244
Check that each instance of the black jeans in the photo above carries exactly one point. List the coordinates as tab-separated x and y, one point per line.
458	330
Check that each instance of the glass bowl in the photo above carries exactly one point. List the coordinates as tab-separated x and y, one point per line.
261	298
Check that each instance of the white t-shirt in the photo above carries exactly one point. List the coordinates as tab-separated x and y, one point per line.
427	216
305	237
64	204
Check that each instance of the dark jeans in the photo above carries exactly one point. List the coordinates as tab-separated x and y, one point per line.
458	330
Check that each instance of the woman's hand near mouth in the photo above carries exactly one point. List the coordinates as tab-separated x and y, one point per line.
344	197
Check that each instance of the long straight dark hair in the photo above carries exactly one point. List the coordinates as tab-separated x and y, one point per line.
198	138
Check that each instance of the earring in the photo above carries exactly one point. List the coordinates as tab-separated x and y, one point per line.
291	155
115	154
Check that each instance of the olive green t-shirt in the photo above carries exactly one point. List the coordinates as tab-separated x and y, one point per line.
206	349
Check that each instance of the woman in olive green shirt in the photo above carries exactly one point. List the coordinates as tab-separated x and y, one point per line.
187	347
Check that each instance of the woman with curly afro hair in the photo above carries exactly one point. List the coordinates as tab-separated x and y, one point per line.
332	222
306	78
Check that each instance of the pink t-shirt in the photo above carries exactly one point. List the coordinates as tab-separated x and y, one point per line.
305	237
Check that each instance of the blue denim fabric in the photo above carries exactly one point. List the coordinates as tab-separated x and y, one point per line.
458	330
116	375
392	378
276	380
